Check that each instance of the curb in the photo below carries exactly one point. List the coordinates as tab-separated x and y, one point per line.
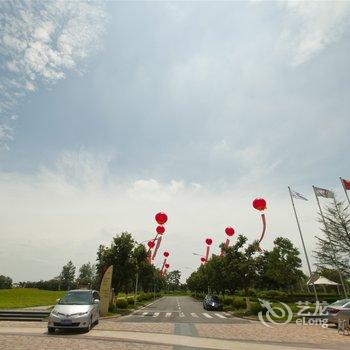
130	311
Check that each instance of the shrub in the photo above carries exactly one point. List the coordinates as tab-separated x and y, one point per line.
228	300
239	304
121	303
273	295
255	308
130	299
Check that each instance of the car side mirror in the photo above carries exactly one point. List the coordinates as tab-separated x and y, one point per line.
96	301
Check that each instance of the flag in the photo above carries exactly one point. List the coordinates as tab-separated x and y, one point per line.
322	192
297	195
346	184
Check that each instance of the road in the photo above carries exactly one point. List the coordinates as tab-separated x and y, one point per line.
181	309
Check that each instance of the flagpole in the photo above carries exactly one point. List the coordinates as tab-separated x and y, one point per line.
346	193
302	241
331	243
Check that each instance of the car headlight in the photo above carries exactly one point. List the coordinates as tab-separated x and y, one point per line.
80	314
54	312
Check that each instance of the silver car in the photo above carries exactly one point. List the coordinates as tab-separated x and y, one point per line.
78	309
332	310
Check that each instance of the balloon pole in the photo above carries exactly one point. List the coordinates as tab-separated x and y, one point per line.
164	262
263	219
207	253
157	247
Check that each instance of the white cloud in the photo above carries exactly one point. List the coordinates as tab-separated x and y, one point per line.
311	26
40	42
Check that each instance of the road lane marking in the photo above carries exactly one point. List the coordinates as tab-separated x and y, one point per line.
194	315
227	314
207	315
144	314
155	314
219	315
168	314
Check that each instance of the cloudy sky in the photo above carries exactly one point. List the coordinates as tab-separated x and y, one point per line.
111	112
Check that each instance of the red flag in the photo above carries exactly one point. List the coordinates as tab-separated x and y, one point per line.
346	184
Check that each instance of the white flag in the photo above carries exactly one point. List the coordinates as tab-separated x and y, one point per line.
297	195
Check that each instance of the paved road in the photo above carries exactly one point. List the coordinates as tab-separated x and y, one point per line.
180	310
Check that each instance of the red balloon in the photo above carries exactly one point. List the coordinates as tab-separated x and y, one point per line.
167	266
160	229
203	259
209	241
161	218
166	254
229	231
151	244
259	204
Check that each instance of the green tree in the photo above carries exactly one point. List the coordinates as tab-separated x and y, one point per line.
86	274
67	276
5	282
282	265
337	219
126	258
172	280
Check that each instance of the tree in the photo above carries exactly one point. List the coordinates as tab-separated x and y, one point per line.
126	258
5	282
67	275
172	280
281	266
86	274
337	219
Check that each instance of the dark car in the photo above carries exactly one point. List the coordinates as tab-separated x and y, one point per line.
212	302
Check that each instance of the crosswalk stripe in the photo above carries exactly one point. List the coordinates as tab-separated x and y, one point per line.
227	314
219	315
168	314
144	313
207	315
181	314
194	315
156	314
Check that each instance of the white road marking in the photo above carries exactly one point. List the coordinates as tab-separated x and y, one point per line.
181	314
219	315
207	315
144	314
227	314
194	315
168	314
156	314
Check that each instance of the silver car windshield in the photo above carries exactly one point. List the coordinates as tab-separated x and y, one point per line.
76	298
341	302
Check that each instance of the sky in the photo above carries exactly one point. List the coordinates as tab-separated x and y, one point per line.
113	111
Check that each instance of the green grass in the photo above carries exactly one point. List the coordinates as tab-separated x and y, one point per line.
27	297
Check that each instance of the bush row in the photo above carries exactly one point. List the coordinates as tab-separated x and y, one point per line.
128	300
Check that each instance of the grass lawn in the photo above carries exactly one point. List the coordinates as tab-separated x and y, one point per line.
26	297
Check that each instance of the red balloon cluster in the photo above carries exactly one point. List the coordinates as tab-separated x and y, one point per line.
166	254
208	241
167	266
229	231
151	244
259	204
160	229
161	218
203	259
